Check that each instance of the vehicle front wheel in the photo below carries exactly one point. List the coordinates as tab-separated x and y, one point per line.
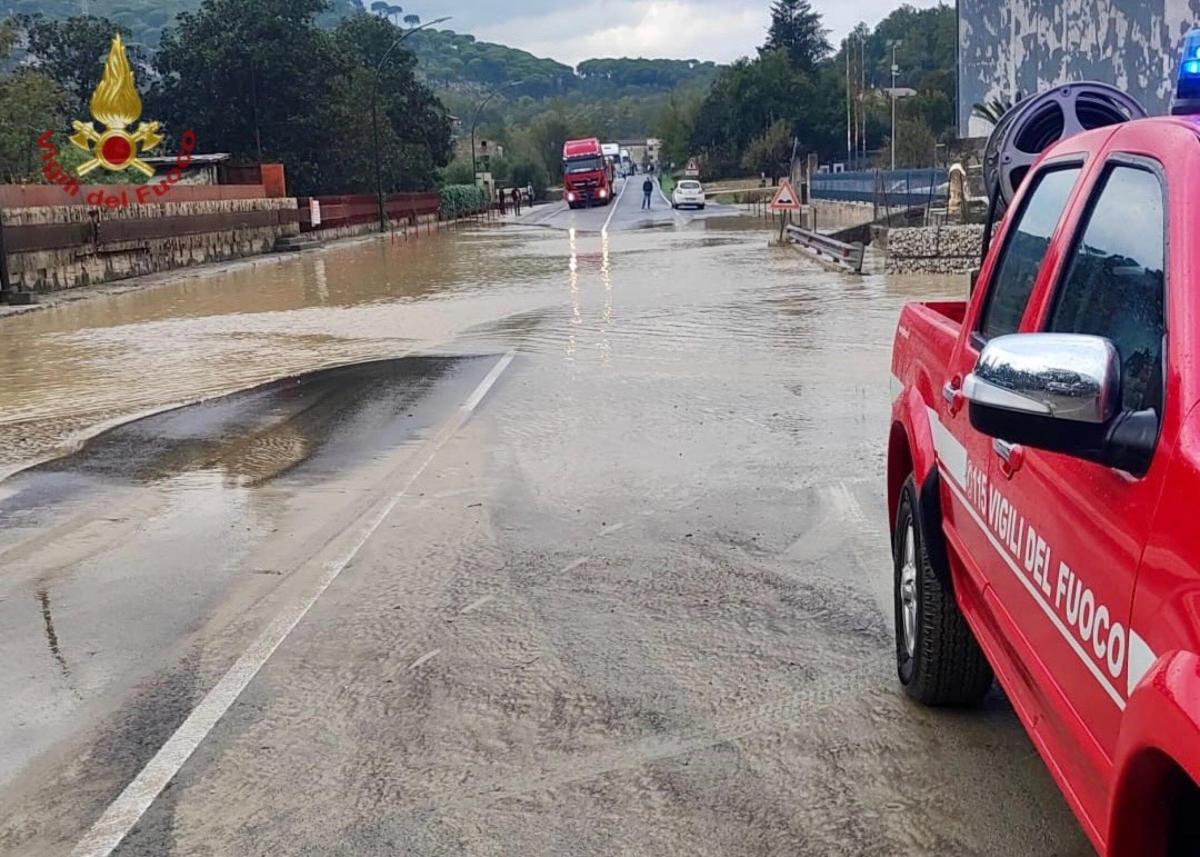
938	658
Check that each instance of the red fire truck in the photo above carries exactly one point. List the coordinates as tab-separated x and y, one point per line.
587	174
1044	465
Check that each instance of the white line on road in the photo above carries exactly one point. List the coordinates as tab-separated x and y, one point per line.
475	605
662	193
124	812
424	659
615	528
616	204
574	565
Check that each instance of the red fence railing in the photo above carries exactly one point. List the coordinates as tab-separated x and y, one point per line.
353	209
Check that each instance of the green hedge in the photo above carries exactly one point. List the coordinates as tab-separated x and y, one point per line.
459	200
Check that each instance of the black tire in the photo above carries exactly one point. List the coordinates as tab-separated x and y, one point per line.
945	665
702	208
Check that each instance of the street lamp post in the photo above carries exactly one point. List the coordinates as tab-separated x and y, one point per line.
475	120
895	72
375	115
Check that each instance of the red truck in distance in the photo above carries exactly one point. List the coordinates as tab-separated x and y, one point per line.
1043	478
587	174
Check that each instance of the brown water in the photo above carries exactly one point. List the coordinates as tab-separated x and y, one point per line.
72	369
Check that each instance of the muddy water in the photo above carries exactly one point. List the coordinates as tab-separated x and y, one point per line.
74	368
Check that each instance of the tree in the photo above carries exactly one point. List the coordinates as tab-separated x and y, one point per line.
796	28
915	144
994	109
259	78
30	103
771	152
412	20
72	53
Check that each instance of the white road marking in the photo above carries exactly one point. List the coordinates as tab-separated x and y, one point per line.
845	504
574	565
615	528
424	659
124	812
662	193
475	605
615	205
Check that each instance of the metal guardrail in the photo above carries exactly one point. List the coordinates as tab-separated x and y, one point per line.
847	256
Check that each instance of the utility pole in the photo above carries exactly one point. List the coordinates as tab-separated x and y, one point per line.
495	93
5	284
862	99
849	101
895	73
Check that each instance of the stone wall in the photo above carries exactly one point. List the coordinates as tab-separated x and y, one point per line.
934	249
90	263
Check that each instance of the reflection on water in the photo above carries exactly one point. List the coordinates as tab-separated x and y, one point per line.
712	290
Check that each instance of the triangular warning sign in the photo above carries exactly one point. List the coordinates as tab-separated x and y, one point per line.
785	198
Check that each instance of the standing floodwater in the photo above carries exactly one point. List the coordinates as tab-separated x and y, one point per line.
583	531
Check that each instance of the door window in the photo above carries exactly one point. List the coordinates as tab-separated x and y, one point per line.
1026	247
1115	281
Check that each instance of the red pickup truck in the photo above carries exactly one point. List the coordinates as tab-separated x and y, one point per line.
1043	466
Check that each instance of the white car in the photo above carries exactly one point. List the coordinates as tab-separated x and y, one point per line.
688	192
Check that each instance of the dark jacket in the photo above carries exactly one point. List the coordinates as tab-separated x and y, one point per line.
647	186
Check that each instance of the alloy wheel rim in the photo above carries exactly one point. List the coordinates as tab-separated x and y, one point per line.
908	593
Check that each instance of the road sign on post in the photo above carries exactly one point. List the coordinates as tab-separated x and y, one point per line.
785	198
692	170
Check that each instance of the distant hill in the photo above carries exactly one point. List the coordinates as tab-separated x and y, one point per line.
456	61
452	62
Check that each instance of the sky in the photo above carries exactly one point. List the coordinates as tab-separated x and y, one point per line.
570	31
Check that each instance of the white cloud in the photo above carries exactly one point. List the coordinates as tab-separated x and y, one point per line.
720	30
674	29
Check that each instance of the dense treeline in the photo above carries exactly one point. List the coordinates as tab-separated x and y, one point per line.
601	74
799	93
259	79
143	21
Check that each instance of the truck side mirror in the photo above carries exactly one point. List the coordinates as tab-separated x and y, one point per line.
1060	392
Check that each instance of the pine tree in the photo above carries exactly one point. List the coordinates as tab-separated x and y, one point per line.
796	27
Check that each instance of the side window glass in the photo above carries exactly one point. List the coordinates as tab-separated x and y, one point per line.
1022	257
1115	281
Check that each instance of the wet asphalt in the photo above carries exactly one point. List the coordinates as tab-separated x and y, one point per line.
634	599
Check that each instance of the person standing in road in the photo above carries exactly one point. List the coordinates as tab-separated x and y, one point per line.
516	199
647	191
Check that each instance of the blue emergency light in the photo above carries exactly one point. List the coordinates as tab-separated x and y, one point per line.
1187	90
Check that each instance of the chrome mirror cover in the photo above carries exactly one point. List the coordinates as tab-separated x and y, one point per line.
1061	376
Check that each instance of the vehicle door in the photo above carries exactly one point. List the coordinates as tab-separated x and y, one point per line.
965	454
1073	531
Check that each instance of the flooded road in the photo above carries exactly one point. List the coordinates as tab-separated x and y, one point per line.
538	539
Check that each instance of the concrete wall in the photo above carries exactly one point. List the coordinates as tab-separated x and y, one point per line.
933	249
425	223
1006	46
833	216
70	267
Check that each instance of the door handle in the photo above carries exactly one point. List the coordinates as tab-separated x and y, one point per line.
1011	455
952	394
